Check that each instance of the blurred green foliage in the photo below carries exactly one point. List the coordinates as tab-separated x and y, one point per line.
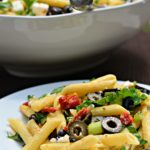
147	27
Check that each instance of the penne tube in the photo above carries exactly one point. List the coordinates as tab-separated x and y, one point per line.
26	110
119	139
146	128
110	110
41	136
59	115
85	143
99	84
105	78
39	104
20	128
144	110
56	3
55	146
146	102
33	127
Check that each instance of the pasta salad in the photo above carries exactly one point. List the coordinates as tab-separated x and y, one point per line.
53	7
99	114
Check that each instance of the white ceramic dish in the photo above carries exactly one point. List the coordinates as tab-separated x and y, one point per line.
64	43
9	108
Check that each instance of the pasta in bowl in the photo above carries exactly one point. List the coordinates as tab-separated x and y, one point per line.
96	115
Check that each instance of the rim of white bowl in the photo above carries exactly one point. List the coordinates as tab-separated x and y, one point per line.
76	13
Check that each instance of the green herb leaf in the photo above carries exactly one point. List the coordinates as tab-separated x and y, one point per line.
4	5
122	148
138	116
44	95
135	133
30	96
29	4
15	137
69	119
40	117
118	96
85	104
57	90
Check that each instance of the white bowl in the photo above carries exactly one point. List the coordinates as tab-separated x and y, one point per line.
67	43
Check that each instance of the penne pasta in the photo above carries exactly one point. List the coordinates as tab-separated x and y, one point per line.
56	3
33	127
41	137
146	102
60	117
80	116
39	104
26	110
119	139
110	110
21	129
55	146
97	85
85	143
146	127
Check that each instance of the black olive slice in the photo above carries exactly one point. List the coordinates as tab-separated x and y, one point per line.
68	9
81	4
112	124
77	130
88	118
128	103
94	96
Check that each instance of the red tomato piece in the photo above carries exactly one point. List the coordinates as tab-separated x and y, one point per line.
26	103
81	114
126	118
69	101
49	109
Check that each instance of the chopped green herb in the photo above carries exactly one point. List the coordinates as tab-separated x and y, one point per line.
40	117
69	119
122	148
135	133
118	96
44	95
30	96
15	137
57	90
29	4
138	116
85	104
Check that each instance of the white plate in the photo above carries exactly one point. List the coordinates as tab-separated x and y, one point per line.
9	108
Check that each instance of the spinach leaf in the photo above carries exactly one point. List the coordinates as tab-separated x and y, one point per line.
85	104
57	90
16	137
40	117
135	133
118	96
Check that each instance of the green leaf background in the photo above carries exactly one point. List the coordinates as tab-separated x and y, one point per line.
147	27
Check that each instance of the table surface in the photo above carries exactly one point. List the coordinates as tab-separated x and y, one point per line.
131	61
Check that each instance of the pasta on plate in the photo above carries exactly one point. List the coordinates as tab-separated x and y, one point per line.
99	114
